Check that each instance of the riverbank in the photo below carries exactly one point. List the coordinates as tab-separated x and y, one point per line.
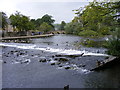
25	37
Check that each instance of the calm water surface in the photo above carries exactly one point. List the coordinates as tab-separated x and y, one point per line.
22	69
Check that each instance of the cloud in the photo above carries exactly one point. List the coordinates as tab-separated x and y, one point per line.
50	0
59	9
9	6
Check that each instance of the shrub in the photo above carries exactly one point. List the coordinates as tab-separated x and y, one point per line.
104	30
113	46
88	33
92	43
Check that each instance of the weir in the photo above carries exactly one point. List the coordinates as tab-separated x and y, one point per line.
106	63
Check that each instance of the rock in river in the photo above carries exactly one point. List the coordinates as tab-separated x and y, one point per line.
68	67
71	56
63	59
42	60
4	62
52	63
58	55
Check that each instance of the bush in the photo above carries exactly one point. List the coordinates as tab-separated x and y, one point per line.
69	28
92	43
45	27
104	30
88	33
113	46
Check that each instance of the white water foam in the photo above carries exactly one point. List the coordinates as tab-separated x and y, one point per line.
52	50
27	61
81	70
75	67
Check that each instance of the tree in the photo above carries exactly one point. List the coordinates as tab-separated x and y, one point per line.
69	28
113	44
48	19
3	20
62	25
45	27
33	24
97	17
21	22
37	23
116	7
74	27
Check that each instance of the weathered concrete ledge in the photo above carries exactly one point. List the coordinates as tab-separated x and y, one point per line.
107	63
24	37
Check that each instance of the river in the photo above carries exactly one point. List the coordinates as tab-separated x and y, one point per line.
47	63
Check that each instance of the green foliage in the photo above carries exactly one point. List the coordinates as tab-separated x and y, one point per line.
21	22
73	27
37	23
62	25
33	22
95	19
88	33
69	28
113	44
46	18
104	30
3	20
116	7
92	43
45	27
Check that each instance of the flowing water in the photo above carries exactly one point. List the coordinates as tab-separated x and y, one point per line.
53	62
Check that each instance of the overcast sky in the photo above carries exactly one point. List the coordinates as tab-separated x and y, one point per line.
59	9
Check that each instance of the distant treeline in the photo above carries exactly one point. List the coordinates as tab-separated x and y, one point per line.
21	22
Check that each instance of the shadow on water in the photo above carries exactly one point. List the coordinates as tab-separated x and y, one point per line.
108	78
